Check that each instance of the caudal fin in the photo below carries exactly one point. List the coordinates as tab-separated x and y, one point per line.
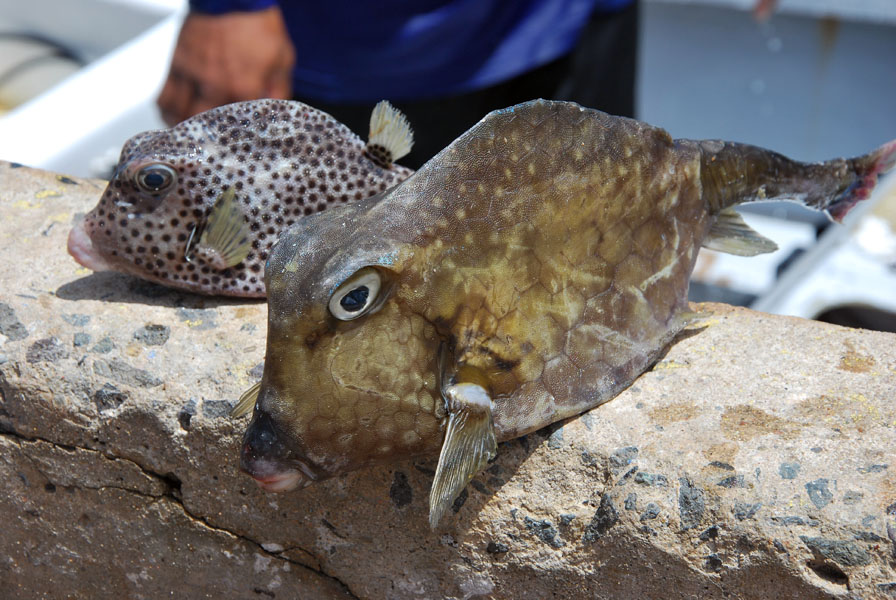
866	170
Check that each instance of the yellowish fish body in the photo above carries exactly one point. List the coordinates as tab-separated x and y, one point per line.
530	271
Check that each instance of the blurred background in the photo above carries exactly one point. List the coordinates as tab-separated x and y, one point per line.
816	81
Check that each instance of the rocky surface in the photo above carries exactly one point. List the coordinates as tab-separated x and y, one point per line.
754	461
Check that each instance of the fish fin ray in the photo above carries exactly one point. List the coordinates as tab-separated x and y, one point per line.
225	235
469	444
868	169
730	234
391	136
247	401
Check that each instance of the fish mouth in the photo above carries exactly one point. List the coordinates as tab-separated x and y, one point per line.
80	246
283	481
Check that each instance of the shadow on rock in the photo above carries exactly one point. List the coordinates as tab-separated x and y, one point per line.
109	286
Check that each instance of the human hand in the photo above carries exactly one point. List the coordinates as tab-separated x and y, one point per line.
763	9
226	58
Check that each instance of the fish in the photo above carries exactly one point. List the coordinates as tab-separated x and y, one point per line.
198	206
529	272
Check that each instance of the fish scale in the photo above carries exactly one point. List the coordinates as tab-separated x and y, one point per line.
281	160
542	263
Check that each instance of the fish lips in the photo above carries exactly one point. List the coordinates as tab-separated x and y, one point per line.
81	248
266	459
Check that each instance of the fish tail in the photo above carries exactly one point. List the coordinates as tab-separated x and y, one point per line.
865	172
734	173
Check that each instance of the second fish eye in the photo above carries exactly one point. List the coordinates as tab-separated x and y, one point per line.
155	179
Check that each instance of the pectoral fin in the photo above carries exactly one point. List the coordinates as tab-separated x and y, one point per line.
247	401
732	235
224	241
390	135
469	444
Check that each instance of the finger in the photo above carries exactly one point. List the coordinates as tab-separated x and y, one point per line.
176	98
203	104
246	84
279	84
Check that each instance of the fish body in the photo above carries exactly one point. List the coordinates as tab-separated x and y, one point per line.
198	206
527	273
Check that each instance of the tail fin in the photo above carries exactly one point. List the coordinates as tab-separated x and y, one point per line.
735	173
866	170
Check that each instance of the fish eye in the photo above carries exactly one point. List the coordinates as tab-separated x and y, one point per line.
155	179
357	295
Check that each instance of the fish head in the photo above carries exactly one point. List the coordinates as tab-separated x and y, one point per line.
157	198
350	373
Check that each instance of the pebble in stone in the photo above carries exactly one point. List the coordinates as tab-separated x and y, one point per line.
109	396
76	320
400	492
651	511
710	533
496	548
80	339
10	326
200	319
651	479
847	554
186	414
872	469
819	493
691	504
153	334
545	531
622	457
721	465
713	562
852	497
735	481
122	372
746	510
555	441
789	470
215	409
104	346
605	517
46	350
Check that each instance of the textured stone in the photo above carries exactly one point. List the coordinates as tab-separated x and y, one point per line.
750	462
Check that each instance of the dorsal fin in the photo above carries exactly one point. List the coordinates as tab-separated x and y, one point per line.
732	235
390	135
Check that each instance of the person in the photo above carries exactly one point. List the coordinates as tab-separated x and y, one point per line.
444	63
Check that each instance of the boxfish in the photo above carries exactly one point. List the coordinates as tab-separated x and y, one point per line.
529	272
198	206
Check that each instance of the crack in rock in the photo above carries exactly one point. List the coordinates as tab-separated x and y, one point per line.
170	493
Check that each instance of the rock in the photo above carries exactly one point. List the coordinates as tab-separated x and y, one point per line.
751	462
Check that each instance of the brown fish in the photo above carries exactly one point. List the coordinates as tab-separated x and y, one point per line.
529	272
198	206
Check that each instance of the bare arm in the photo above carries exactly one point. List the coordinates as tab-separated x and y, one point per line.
227	58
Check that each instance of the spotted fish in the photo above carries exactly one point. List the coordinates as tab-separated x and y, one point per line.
198	206
527	273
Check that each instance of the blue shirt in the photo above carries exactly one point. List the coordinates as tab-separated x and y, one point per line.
357	51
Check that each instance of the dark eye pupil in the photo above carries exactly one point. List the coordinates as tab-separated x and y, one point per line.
154	180
355	299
